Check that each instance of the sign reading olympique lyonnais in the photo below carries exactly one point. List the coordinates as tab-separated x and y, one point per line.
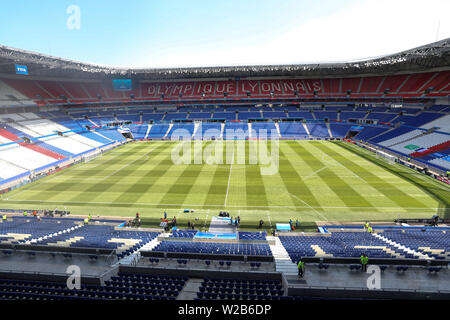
241	87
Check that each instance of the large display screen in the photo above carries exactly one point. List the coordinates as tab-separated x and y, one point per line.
121	84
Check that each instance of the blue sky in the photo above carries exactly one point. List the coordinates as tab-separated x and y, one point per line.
169	33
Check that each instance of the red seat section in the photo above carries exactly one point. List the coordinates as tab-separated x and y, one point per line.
440	81
27	88
371	84
433	149
75	89
94	89
53	87
393	82
11	136
44	151
416	82
351	84
406	85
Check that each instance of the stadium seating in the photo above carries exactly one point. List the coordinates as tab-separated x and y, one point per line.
292	130
106	237
263	129
208	131
239	289
318	130
183	233
214	248
158	131
21	230
246	235
340	244
236	131
124	286
339	130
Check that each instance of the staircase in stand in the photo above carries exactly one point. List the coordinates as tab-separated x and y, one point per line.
136	256
402	247
277	126
148	131
168	130
329	130
283	262
306	129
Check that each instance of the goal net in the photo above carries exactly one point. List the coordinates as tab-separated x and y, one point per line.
91	156
385	156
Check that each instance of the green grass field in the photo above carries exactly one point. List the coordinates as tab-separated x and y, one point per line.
316	181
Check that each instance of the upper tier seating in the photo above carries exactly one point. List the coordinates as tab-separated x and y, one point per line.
321	115
301	115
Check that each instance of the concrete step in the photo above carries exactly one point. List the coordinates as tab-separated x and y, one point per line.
190	289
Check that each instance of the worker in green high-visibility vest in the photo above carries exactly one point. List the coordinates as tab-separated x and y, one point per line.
301	268
364	261
4	218
25	213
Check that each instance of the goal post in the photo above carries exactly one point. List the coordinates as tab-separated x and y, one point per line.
386	156
93	155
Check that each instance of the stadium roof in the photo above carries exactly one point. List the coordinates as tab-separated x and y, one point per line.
432	56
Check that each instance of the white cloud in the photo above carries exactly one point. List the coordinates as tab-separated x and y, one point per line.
367	29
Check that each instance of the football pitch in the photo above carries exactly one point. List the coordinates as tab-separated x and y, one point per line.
313	181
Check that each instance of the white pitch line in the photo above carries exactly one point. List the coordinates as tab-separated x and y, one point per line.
144	155
314	173
206	219
309	206
270	221
229	176
218	205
